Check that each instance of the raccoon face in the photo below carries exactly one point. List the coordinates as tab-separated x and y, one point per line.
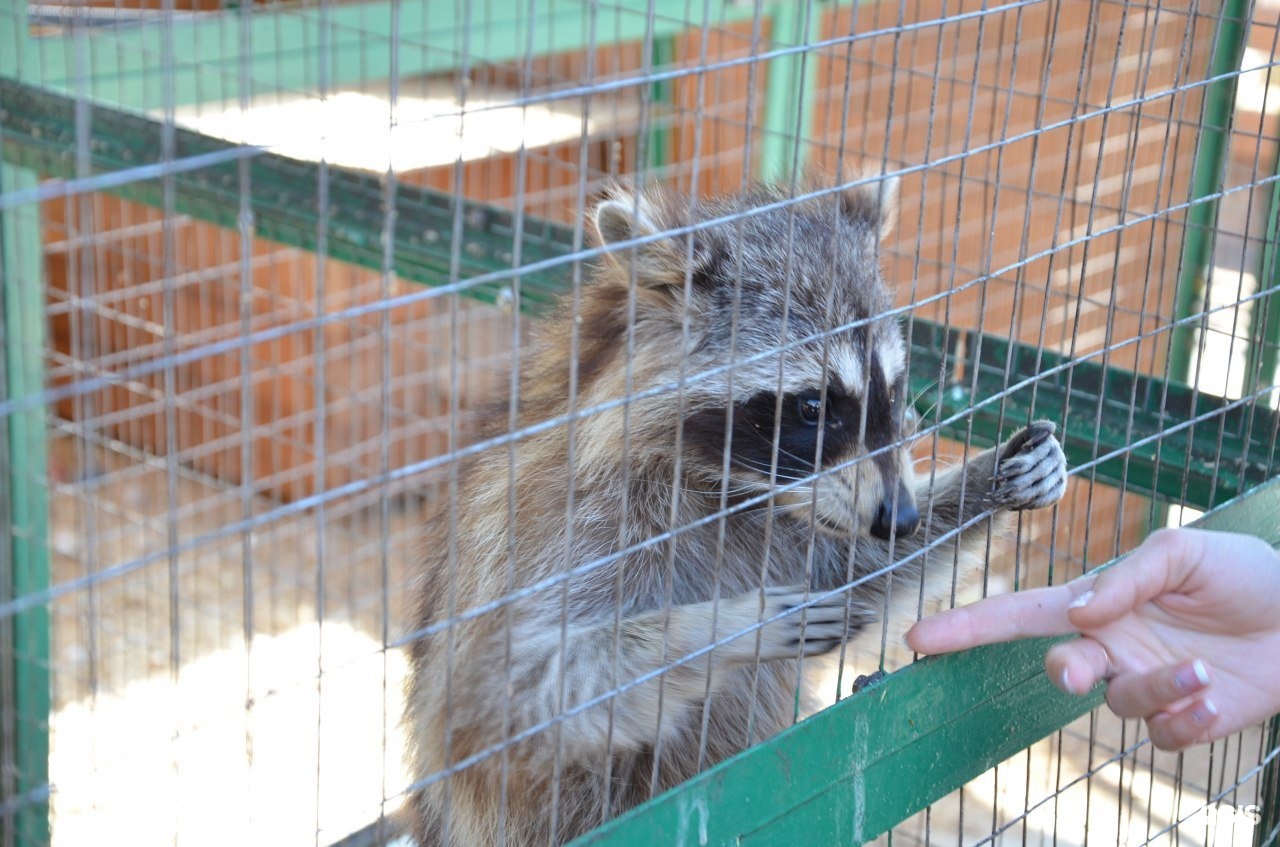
835	451
797	385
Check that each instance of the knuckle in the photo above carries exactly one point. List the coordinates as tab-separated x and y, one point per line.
1168	733
1159	691
1119	703
1165	537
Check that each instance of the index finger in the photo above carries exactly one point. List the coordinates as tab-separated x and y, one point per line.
1005	617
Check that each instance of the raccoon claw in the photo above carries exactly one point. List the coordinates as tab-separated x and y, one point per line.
1031	472
816	629
866	680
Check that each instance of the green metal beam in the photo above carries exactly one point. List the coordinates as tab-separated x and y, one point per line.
1144	440
1207	176
40	133
857	769
1232	448
292	48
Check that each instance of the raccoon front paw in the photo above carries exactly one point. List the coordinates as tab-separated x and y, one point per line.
1031	472
817	629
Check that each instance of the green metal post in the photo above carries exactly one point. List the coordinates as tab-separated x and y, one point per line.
24	561
659	152
28	564
1264	329
1260	370
1267	830
1207	177
788	104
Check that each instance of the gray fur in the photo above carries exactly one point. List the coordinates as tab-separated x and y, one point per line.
686	306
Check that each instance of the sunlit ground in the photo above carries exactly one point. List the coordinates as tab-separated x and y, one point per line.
190	761
428	127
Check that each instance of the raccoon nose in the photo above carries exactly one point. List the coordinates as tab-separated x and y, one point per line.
902	523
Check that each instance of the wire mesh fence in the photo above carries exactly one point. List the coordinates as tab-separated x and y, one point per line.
275	462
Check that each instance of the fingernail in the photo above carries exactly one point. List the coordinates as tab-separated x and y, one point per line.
1205	712
1066	682
1082	600
1191	678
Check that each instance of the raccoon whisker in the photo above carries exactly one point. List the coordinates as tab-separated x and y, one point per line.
793	484
704	492
710	488
915	400
806	509
802	505
781	479
782	451
785	453
807	481
738	490
925	389
927	412
938	466
776	473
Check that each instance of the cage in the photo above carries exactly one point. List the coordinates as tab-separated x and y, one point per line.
268	266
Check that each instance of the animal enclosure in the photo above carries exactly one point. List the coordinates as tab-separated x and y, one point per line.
266	271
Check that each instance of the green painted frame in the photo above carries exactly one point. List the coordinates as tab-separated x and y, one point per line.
824	775
24	557
995	393
27	563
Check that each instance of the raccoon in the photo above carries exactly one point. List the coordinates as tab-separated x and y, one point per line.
754	492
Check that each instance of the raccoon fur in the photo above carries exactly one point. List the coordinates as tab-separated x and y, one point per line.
570	590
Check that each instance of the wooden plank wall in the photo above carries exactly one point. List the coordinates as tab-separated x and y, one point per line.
1053	232
109	276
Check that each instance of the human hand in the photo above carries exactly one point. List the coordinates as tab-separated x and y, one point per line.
1185	631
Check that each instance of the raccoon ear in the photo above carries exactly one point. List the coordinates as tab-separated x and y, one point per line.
875	201
623	218
888	202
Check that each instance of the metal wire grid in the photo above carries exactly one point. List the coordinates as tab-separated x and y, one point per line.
238	431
